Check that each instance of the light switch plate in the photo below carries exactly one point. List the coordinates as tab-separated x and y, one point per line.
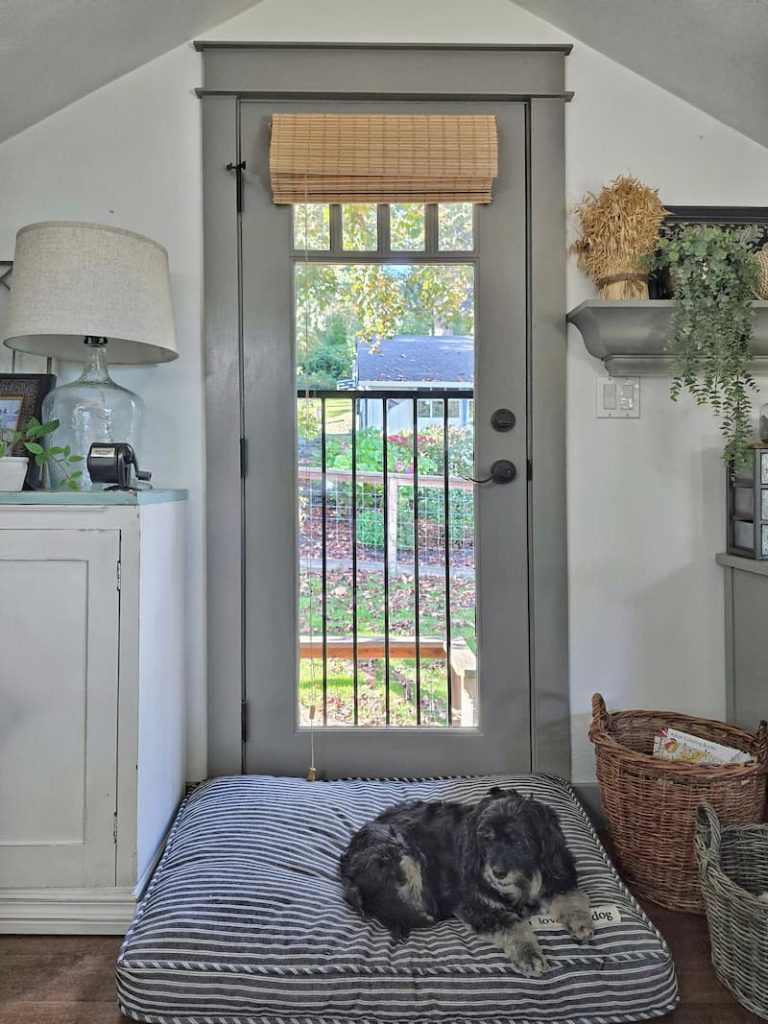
617	398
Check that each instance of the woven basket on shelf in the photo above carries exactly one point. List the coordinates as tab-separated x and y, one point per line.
650	804
733	866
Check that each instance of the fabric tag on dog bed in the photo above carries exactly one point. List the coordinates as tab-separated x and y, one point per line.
602	916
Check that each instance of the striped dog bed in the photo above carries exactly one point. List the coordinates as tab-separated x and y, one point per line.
244	923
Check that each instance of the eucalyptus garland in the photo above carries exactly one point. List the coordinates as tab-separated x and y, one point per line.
714	278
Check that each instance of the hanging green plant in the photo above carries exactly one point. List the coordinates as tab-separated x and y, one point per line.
714	277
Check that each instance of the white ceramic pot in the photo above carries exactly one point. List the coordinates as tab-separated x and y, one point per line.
13	469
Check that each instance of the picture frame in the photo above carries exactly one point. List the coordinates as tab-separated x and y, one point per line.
21	398
731	217
10	412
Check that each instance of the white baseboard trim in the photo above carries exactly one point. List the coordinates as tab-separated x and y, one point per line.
102	911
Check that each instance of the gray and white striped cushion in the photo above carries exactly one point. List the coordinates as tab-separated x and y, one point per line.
244	923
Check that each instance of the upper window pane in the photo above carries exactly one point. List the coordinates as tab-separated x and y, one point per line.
410	324
455	227
312	227
360	227
406	227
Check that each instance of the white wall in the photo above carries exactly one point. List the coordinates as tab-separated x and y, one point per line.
129	155
645	496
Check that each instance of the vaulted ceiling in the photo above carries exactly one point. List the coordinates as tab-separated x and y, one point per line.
52	52
713	53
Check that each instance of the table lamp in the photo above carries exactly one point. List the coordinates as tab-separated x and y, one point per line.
91	292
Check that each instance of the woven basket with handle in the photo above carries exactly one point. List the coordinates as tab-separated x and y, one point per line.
650	804
733	867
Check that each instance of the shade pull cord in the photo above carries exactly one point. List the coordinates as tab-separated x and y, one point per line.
312	769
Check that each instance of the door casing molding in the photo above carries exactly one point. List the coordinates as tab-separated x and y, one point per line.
535	75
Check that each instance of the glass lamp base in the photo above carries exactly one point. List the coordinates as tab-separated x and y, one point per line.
90	409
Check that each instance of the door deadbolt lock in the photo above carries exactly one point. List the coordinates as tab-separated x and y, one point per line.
503	420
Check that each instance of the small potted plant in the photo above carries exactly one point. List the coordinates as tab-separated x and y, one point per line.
13	468
714	277
619	228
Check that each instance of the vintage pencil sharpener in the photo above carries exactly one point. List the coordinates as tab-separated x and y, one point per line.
115	464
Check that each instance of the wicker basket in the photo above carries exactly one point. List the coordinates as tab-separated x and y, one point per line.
650	804
733	866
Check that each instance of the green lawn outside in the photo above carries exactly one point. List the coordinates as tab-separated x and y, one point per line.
370	595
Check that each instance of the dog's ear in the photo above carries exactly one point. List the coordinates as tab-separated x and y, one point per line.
556	859
497	793
353	895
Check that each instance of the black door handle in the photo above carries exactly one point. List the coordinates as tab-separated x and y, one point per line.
502	472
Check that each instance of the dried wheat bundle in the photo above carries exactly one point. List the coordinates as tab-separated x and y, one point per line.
619	228
762	279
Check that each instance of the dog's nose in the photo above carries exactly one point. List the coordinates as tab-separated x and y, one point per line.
498	872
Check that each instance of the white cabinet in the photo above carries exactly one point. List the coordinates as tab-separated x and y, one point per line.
91	704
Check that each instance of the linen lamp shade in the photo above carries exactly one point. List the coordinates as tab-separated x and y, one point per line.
72	281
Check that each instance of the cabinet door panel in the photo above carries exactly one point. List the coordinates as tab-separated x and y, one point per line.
59	633
750	649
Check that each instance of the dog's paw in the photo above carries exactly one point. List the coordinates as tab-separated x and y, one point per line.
529	960
579	926
573	912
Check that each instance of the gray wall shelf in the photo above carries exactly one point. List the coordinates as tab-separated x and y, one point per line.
630	337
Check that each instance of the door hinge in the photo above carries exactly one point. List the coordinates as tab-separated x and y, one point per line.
119	574
244	720
114	827
238	168
243	457
529	469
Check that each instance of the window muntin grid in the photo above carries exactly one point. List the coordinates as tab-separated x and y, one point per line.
449	229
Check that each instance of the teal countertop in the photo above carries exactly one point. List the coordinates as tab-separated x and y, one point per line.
157	497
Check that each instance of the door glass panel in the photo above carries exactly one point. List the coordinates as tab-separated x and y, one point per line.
385	376
406	227
312	227
359	227
455	227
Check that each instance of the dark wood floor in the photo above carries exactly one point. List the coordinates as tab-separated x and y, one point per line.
70	980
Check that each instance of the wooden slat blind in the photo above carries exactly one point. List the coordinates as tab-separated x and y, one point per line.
381	158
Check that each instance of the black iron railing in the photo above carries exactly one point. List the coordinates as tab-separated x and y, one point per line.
385	503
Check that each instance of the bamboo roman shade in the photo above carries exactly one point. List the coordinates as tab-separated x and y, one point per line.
382	158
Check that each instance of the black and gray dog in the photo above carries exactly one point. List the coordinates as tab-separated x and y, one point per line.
492	864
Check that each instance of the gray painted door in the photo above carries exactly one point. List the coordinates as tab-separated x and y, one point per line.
276	742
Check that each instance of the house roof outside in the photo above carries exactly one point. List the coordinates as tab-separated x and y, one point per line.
410	359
